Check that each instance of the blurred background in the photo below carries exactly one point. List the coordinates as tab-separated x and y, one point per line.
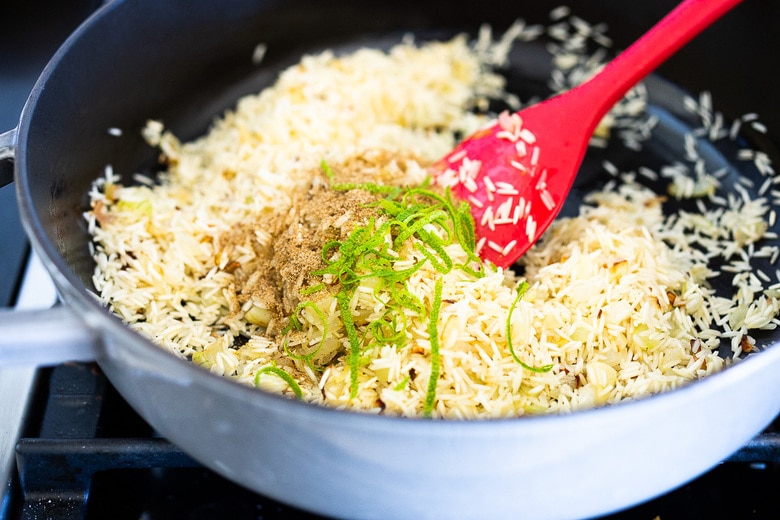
30	32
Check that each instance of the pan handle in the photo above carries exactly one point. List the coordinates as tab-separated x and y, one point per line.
42	336
45	337
7	150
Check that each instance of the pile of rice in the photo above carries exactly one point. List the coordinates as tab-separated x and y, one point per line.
618	302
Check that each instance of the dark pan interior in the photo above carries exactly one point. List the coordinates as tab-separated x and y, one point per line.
184	62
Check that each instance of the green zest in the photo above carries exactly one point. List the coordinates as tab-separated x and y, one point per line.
295	323
521	289
278	372
371	250
354	342
433	333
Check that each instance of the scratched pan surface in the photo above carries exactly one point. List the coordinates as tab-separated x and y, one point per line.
184	63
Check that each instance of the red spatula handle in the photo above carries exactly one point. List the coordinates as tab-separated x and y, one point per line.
516	173
676	29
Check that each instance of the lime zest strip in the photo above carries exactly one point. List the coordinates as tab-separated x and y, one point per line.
295	324
354	342
433	333
278	372
521	290
371	251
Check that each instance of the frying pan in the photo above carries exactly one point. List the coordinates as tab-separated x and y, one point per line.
186	61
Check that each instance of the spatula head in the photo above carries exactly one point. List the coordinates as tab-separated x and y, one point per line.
515	173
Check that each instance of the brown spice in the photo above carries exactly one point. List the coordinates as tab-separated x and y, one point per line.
317	217
231	266
284	264
747	344
101	213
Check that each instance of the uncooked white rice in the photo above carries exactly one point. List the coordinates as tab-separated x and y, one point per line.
618	299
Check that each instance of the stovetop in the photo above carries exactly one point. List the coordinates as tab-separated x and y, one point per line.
82	453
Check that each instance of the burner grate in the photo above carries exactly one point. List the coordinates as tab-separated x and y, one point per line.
56	467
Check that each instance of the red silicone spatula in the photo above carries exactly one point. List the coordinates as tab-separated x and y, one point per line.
516	172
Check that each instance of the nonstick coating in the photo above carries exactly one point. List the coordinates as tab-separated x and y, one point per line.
184	62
